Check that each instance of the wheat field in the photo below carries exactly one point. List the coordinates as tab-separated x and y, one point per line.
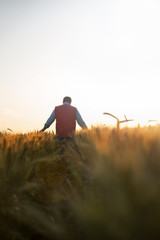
100	184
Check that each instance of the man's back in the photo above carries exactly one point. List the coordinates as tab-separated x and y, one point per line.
65	120
66	117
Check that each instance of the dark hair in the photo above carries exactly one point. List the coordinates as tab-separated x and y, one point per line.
67	99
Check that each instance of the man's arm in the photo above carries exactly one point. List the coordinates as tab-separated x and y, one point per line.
80	120
49	121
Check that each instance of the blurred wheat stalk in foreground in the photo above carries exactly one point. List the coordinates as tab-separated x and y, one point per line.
100	185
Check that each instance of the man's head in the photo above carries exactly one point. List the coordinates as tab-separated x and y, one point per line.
67	99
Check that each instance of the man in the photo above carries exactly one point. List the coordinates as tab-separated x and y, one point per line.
66	117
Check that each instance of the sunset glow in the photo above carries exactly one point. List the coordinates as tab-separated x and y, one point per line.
105	55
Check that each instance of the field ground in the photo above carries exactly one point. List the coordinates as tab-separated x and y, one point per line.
101	184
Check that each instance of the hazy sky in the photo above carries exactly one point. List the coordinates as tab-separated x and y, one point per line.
105	54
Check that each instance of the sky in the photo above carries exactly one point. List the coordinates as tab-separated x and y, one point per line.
104	54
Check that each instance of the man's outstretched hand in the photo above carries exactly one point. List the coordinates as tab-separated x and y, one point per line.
42	130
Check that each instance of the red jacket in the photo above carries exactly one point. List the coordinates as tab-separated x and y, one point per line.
65	120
